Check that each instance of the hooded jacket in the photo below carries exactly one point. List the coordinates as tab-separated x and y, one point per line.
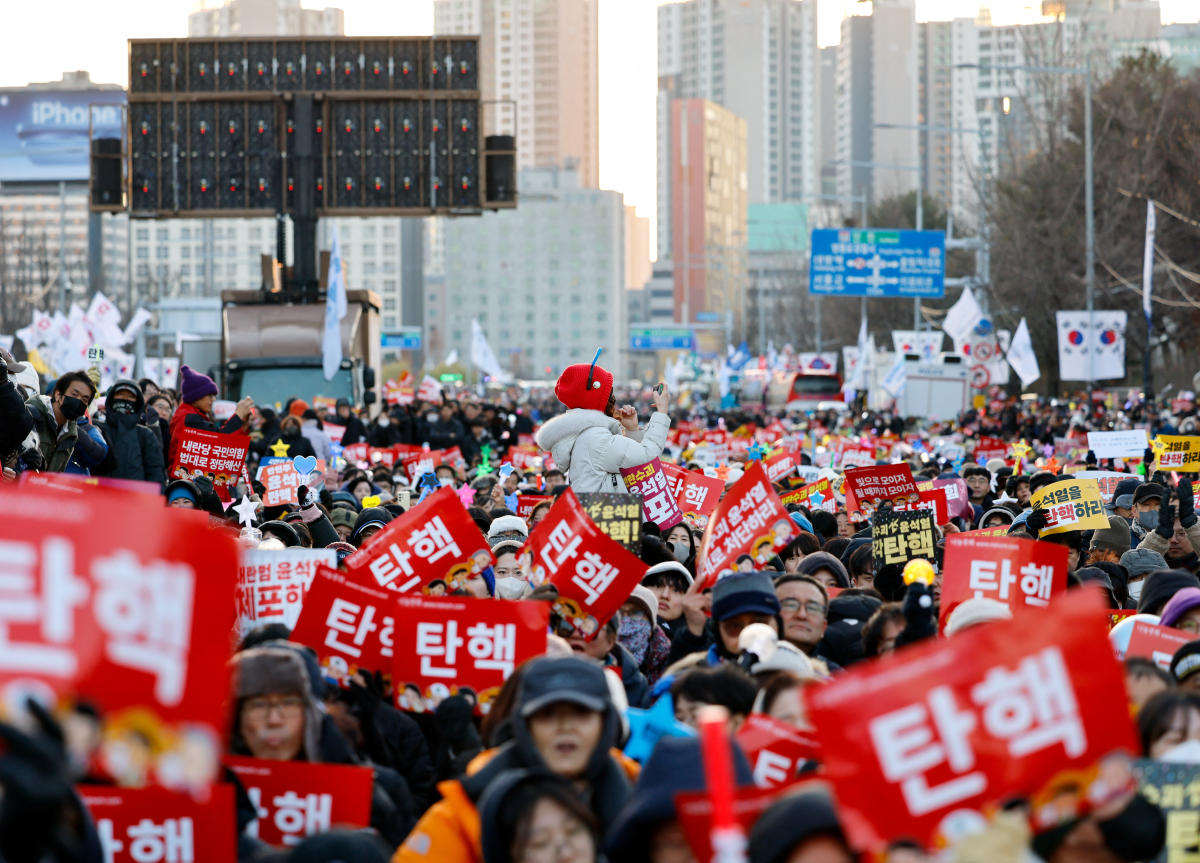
589	447
135	449
824	560
55	444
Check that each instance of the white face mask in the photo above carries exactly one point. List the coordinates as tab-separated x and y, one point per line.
510	587
1135	589
1187	752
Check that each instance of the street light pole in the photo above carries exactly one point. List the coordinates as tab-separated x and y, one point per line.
1089	218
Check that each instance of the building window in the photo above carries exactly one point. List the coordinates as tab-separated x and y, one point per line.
143	252
389	304
143	235
161	252
185	251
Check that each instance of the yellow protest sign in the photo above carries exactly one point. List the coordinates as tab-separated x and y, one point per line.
1072	505
1178	452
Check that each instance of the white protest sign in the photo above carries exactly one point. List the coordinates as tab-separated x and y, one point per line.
1118	444
271	585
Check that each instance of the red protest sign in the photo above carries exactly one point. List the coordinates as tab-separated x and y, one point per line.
694	491
281	481
336	432
527	503
271	584
436	540
869	485
776	751
112	598
1001	530
695	812
593	573
1023	573
1157	643
295	799
418	464
454	458
815	495
779	466
748	527
957	497
74	483
356	452
988	448
525	457
349	625
220	457
136	825
446	644
931	499
857	456
950	727
658	504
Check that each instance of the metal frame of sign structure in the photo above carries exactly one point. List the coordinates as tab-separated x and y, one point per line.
877	263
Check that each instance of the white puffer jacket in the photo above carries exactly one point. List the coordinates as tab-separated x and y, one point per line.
589	447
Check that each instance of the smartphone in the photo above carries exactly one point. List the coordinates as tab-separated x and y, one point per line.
658	389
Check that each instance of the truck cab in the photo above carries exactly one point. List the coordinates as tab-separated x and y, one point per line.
805	391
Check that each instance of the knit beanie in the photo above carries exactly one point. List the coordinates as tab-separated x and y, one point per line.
194	386
584	386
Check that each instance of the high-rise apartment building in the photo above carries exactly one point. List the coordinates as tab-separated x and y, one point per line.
877	72
264	18
541	58
759	60
949	146
709	176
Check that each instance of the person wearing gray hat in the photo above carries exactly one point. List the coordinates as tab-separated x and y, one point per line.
1111	542
1140	562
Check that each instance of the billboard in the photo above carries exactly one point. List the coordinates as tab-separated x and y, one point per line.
44	133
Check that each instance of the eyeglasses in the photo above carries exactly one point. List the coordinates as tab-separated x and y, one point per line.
810	607
260	708
562	627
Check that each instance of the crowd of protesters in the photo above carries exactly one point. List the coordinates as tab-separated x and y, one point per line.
543	776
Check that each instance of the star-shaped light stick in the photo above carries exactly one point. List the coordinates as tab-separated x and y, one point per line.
279	449
246	510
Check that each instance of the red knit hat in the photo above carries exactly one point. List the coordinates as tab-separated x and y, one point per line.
585	386
297	408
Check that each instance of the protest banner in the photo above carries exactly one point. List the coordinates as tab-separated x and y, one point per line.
1130	443
447	644
454	457
219	457
808	472
153	825
950	729
1002	530
866	486
747	528
618	515
525	458
695	492
357	453
593	573
419	463
779	466
930	499
271	584
336	432
282	479
527	503
649	482
1106	481
898	537
113	599
76	483
958	497
350	625
1178	453
1156	642
776	750
295	799
436	541
815	495
988	448
1175	789
1071	505
856	456
1021	573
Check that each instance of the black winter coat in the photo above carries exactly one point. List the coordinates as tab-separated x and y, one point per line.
134	450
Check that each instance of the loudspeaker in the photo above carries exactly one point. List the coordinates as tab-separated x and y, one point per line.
106	172
501	167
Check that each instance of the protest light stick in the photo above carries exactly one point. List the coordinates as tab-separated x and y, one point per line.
728	839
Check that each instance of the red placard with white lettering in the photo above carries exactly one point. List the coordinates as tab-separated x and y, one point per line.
527	503
869	485
988	448
525	457
418	464
695	492
957	497
454	458
435	540
856	456
112	598
1156	643
1023	573
356	452
445	643
297	799
349	624
931	499
694	810
776	751
593	573
281	482
815	495
658	504
137	825
779	466
952	726
220	457
75	483
748	527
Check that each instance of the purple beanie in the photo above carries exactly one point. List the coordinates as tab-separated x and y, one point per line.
194	386
1181	603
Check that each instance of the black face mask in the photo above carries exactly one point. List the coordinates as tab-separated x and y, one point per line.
72	408
123	407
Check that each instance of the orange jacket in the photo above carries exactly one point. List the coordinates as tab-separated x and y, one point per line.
451	829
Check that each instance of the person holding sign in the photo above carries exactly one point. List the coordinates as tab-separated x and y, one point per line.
198	392
594	439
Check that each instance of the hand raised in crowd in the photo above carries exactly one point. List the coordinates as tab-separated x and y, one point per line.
243	408
662	398
1166	518
1187	501
696	604
627	414
1036	522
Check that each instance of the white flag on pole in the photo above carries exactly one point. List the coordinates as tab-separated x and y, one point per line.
140	318
481	353
1021	356
860	368
896	378
1148	259
927	345
963	316
1104	343
335	310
